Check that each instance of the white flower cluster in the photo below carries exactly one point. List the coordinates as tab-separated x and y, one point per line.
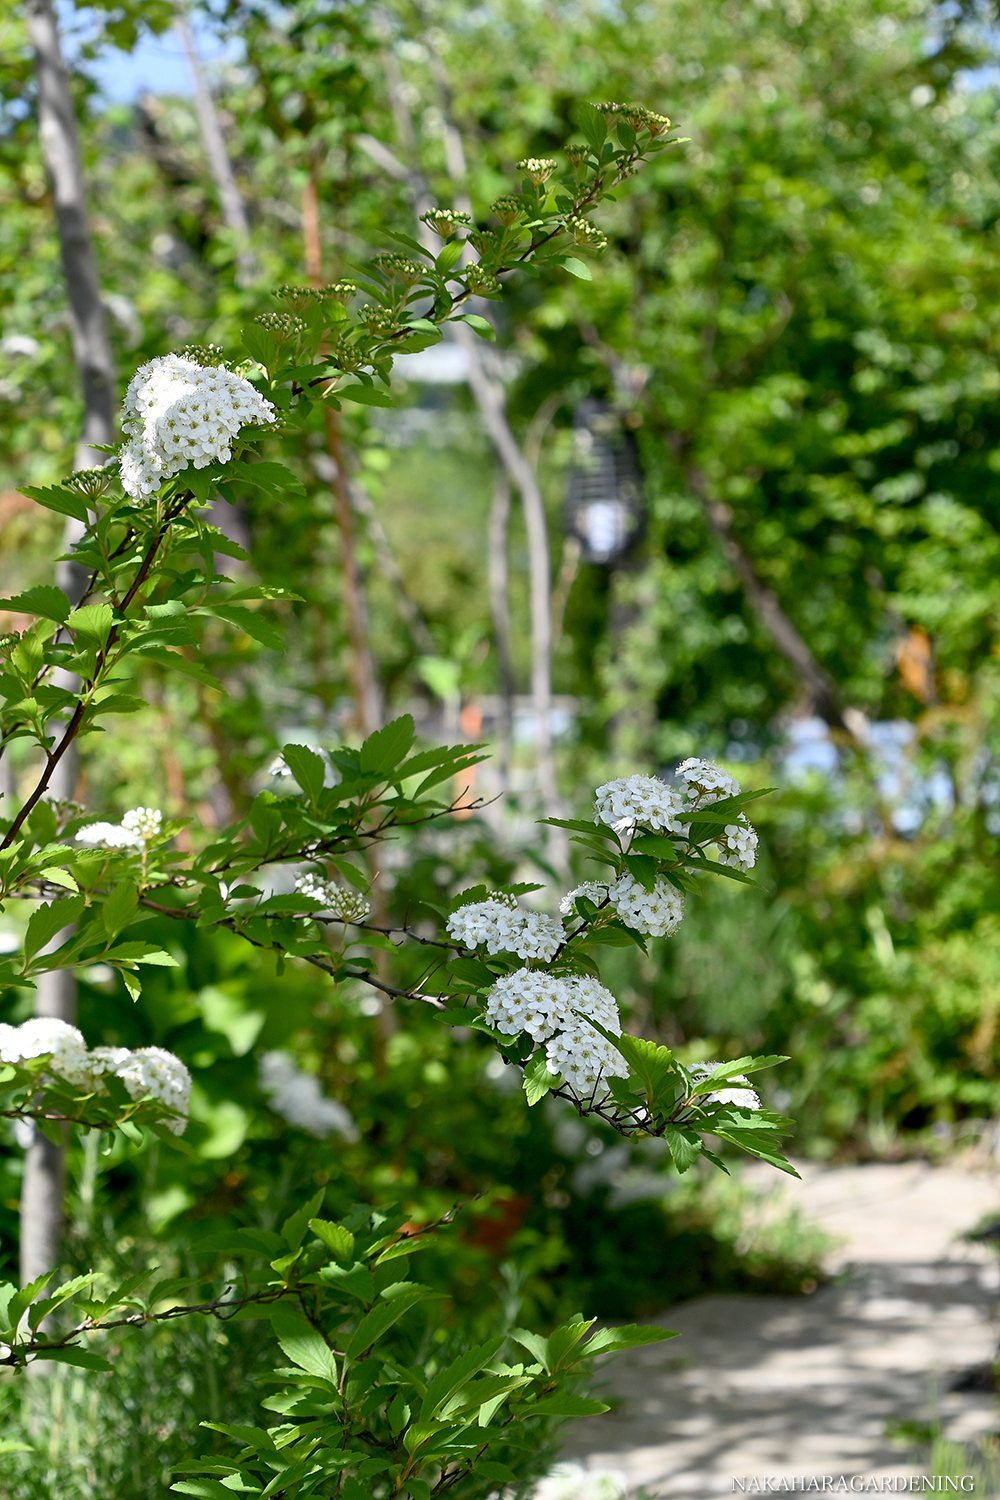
746	1098
44	1034
640	799
146	1072
133	832
738	846
546	1008
500	926
345	905
593	890
706	782
299	1099
279	767
178	413
144	822
657	912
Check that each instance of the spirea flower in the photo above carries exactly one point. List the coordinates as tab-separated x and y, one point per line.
299	1099
177	413
41	1035
279	767
593	890
144	822
530	1001
640	799
738	846
657	912
745	1098
111	835
151	1072
346	905
585	1059
499	925
706	782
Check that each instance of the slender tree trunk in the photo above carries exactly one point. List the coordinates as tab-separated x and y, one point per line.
499	585
61	150
43	1185
230	199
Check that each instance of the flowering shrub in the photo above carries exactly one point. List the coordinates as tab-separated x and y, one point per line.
360	1418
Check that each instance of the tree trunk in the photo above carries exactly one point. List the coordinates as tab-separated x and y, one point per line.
61	150
499	585
44	1170
230	199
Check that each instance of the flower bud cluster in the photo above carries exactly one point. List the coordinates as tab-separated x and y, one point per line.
147	1072
548	1009
401	267
179	413
538	168
586	234
445	221
508	210
346	905
500	926
482	282
339	291
745	1098
378	320
284	326
134	831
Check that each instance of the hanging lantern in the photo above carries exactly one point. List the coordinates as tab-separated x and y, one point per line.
604	499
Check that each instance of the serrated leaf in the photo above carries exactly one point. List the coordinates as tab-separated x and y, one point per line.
630	1336
386	749
93	622
54	497
538	1081
120	908
447	1381
304	1345
685	1148
44	600
294	1228
308	768
48	920
338	1240
381	1318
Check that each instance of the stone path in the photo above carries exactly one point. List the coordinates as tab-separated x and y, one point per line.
805	1386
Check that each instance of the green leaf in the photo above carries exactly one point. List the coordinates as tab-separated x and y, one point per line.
44	600
537	1079
567	1406
69	1354
11	1445
536	1345
450	256
582	273
120	908
685	1146
255	625
365	395
381	1318
308	768
593	125
479	325
204	1489
177	663
48	920
447	1381
304	1345
355	1279
294	1228
266	476
54	497
387	748
630	1336
338	1240
56	876
93	623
